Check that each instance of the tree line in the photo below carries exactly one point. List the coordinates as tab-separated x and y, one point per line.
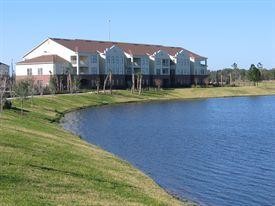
237	76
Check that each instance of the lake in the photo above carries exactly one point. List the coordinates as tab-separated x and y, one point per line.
218	151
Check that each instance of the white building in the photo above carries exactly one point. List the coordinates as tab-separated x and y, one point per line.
91	60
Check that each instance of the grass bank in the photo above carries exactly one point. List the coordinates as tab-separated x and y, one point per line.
41	164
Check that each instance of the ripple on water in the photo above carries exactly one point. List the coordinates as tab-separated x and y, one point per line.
214	151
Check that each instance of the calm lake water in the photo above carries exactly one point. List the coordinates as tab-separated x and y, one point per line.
213	151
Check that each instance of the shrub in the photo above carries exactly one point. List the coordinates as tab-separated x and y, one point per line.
7	104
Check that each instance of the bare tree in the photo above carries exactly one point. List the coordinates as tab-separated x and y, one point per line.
61	83
108	77
196	81
69	82
76	84
259	65
140	84
158	83
22	91
40	88
97	83
3	87
105	82
31	89
138	77
133	82
53	84
110	80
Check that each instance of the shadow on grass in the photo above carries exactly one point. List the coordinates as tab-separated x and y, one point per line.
97	179
18	110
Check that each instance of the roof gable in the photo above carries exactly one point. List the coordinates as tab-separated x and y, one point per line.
131	48
44	59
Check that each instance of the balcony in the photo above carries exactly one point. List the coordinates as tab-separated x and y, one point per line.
84	70
83	61
137	62
73	60
165	71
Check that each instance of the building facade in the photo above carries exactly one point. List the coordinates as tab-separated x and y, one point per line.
4	69
91	61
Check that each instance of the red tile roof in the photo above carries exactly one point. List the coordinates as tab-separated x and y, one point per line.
44	59
131	48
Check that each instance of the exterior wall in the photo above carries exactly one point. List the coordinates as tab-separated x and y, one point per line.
43	79
164	79
129	65
88	63
56	68
4	69
182	63
159	66
198	68
182	80
115	61
88	81
94	63
143	64
50	47
118	81
60	68
21	69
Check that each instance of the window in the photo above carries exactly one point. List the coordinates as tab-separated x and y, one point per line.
143	62
112	60
186	62
29	71
40	71
73	59
108	60
117	60
165	71
158	71
165	62
158	62
94	59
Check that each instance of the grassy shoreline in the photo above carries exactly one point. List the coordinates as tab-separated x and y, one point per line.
41	163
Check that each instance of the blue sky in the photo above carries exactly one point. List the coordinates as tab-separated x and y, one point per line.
241	31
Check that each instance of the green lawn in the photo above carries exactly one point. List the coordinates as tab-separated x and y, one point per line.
41	164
